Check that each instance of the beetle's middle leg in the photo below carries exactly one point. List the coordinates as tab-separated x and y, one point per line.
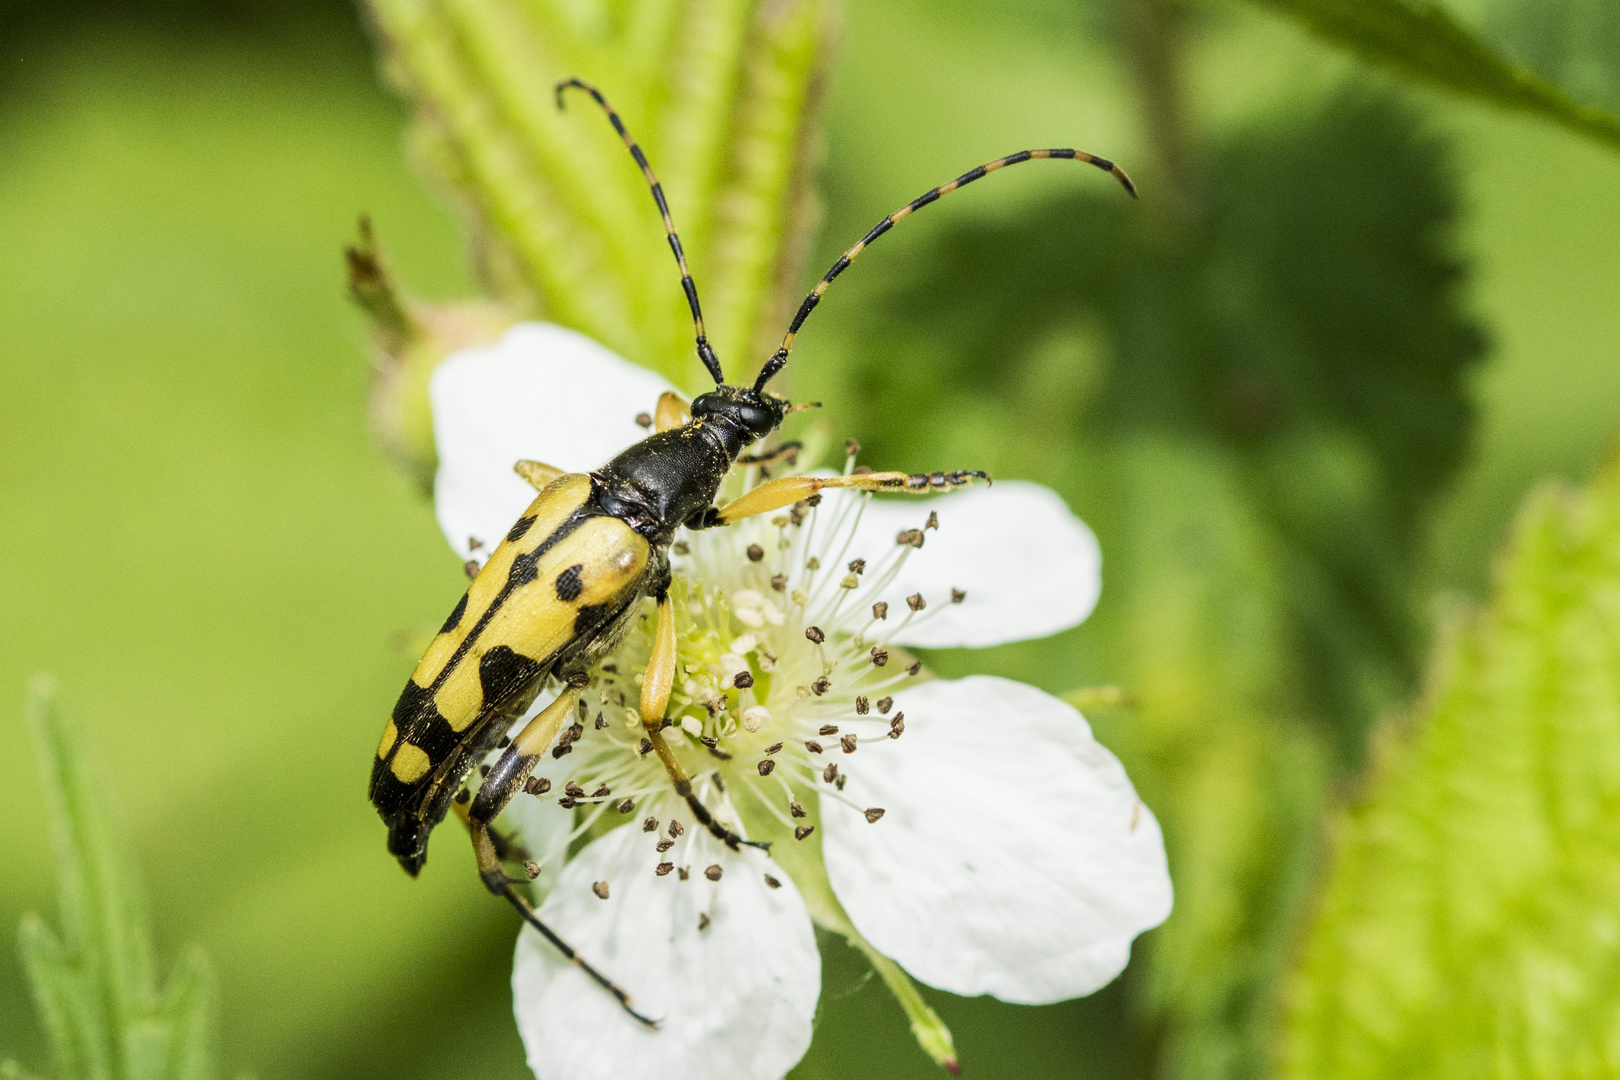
655	688
503	782
786	490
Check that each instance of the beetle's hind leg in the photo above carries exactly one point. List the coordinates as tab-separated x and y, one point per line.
504	781
655	688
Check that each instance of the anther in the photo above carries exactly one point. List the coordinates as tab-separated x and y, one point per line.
713	873
802	831
573	790
601	722
957	596
506	740
474	544
933	520
796	809
663	869
685	872
643	420
828	729
537	785
873	813
470	567
649	824
772	882
862	706
848	743
644	748
861	470
796	515
916	602
913	537
814	634
703	920
567	802
755	717
531	868
767	766
839	783
464	795
602	792
880	610
897	726
879	656
814	500
830	773
851	448
709	740
483	771
755	553
821	686
812	746
914	668
779	582
743	680
600	888
681	547
565	748
858	566
664	845
675	828
850	581
627	806
812	563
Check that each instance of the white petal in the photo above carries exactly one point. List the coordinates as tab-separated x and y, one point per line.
1014	858
541	392
1029	566
735	1001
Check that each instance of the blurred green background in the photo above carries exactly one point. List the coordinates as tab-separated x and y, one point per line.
1298	391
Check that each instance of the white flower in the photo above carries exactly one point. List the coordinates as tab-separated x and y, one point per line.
972	830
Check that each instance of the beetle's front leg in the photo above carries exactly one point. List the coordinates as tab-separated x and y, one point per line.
504	781
655	687
787	490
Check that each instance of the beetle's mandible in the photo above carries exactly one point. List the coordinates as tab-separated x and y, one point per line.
559	592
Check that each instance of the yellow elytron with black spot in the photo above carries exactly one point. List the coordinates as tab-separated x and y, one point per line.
559	591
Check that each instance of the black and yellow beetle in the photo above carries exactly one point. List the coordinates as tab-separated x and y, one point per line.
558	593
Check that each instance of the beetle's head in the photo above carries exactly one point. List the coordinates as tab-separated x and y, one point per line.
752	413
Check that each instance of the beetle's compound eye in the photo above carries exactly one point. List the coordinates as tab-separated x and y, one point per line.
757	414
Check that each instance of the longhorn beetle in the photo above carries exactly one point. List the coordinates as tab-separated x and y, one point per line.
561	589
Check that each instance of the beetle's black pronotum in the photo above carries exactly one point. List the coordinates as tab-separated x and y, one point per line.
560	590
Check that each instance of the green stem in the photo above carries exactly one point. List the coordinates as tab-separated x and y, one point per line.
926	1026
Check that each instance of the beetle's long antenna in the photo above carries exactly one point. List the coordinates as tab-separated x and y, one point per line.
780	358
704	351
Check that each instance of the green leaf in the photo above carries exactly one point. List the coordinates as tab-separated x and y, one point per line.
94	985
1574	43
1468	927
1423	40
724	96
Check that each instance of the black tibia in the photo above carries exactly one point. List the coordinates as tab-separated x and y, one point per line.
717	830
494	877
788	451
